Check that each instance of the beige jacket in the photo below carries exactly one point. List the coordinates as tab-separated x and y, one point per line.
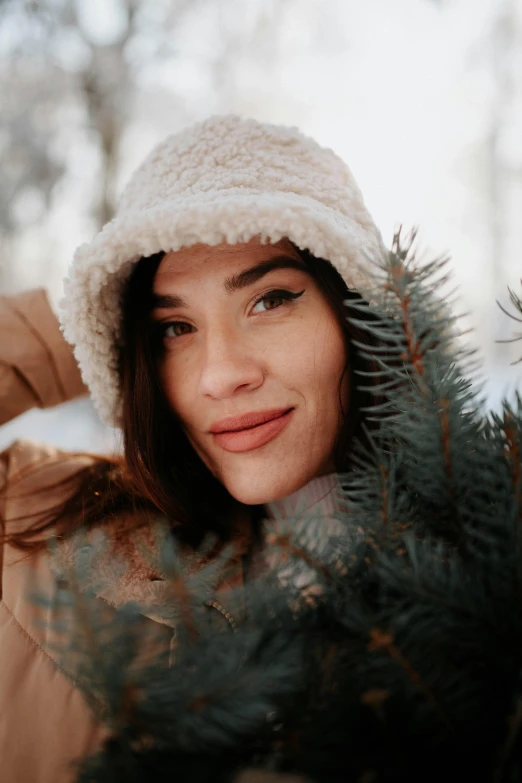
45	721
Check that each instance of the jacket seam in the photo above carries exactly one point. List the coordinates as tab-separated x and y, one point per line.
21	377
46	348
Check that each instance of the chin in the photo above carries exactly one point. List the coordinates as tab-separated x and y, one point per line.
252	491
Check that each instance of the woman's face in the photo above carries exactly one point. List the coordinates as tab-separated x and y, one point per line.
244	330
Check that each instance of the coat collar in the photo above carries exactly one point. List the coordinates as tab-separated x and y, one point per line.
120	562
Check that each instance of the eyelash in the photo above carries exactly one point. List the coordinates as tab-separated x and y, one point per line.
279	293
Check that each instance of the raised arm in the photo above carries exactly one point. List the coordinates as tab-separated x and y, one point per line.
37	366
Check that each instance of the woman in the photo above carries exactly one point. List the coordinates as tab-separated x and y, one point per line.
208	325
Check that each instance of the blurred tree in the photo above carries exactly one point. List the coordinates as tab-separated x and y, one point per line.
504	170
499	52
72	75
67	58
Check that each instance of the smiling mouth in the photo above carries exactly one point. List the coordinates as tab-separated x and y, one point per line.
249	438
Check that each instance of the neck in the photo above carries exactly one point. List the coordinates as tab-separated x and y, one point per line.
318	495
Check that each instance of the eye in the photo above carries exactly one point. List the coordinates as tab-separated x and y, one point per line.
277	298
171	329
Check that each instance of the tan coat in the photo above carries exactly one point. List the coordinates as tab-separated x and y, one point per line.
45	721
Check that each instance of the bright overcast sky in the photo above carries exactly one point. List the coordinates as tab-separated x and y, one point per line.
401	89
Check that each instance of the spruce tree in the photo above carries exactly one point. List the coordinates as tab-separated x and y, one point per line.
403	660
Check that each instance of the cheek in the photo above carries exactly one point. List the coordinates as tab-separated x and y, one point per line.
175	384
310	360
324	358
182	400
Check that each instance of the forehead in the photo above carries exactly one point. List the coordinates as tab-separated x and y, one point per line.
191	263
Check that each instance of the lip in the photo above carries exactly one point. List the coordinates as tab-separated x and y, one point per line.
253	437
247	420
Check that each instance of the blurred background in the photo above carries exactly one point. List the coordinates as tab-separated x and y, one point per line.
422	98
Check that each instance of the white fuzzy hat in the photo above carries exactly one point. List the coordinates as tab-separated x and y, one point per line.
226	179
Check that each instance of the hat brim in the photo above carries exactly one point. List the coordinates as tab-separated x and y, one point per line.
91	308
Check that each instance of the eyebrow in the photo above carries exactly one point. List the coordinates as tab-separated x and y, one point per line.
235	283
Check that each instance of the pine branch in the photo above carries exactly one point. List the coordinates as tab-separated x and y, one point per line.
406	662
516	301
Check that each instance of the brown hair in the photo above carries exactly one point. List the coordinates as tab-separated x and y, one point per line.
160	472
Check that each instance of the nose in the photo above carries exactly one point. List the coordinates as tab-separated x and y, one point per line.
230	363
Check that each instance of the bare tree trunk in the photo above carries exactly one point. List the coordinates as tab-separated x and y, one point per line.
107	87
108	122
503	43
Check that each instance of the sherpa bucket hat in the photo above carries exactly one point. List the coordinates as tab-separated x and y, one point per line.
226	179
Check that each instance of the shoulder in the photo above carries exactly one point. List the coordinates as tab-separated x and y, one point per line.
29	461
34	477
